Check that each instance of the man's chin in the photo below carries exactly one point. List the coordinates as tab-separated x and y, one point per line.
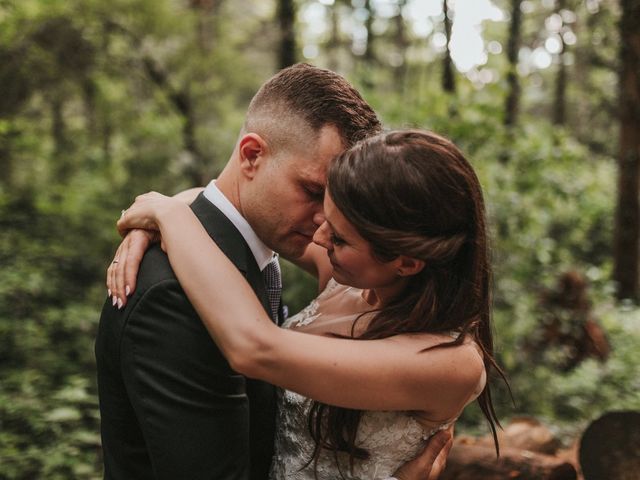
295	246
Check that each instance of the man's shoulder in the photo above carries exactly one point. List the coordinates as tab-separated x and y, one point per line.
156	285
154	269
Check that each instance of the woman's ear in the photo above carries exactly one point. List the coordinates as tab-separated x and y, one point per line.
407	266
252	148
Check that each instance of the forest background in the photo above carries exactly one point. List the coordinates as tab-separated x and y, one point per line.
100	101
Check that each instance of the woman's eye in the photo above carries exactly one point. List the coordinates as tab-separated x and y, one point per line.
336	240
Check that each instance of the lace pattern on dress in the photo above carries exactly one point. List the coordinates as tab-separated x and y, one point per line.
310	313
391	438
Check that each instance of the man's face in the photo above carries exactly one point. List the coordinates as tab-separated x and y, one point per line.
283	203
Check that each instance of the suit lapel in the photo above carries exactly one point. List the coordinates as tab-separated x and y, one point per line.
233	245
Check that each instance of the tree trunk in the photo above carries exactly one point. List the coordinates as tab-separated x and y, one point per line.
333	45
197	168
6	160
513	46
448	79
62	162
370	52
207	10
559	102
286	19
401	43
627	226
58	127
89	96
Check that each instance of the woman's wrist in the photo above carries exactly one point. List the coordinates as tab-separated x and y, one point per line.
170	209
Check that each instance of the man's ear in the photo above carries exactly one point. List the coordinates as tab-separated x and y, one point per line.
252	150
407	266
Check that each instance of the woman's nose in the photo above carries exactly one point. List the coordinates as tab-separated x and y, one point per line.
321	237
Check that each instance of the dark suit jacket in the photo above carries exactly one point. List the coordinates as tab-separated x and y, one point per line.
171	406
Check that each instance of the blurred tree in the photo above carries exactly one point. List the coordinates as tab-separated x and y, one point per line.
402	42
448	78
513	47
627	228
286	20
560	93
370	55
334	42
592	99
207	13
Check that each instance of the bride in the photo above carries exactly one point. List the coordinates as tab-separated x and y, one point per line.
402	263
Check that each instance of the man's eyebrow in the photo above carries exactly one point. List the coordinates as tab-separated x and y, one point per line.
314	185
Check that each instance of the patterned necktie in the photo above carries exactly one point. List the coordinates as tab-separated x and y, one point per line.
273	285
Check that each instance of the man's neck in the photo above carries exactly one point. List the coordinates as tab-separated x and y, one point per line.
229	187
223	193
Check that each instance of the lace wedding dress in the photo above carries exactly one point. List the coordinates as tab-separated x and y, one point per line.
390	437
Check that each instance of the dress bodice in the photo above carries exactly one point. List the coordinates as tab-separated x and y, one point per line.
390	437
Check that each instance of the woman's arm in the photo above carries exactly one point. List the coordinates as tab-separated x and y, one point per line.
188	196
388	374
123	272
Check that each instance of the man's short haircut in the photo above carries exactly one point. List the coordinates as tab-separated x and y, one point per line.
302	99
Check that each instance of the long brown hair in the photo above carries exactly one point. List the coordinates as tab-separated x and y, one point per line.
413	193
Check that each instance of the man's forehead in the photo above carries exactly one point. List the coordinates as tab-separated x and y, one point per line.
315	174
313	156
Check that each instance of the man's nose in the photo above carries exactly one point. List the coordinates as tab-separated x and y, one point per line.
318	218
321	237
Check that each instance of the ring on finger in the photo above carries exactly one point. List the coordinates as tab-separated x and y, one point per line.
122	212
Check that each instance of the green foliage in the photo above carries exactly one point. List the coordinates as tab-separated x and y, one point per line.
299	287
48	436
592	388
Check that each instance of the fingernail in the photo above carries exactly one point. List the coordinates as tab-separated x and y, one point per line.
127	290
108	292
114	300
120	304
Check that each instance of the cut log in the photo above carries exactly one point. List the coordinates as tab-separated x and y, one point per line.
477	462
524	433
610	447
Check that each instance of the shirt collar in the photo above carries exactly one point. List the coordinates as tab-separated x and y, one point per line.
261	252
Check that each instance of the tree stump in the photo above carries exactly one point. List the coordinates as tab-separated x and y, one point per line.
610	447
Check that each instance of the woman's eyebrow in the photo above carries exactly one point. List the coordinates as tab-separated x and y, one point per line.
334	229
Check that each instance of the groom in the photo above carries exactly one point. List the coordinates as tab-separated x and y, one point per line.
171	407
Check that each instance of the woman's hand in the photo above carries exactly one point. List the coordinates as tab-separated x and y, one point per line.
146	212
139	226
123	271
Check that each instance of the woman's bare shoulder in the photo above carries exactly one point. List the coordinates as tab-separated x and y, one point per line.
459	375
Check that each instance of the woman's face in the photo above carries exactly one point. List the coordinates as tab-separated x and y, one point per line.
350	254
